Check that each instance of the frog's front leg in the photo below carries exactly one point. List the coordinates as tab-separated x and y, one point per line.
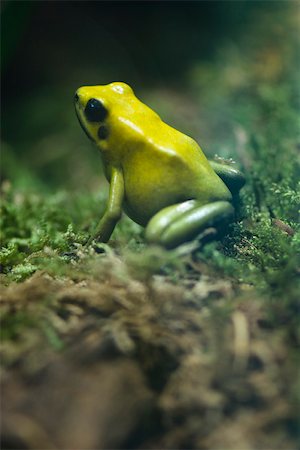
183	222
114	207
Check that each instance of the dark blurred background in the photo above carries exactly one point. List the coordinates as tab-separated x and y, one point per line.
48	43
50	48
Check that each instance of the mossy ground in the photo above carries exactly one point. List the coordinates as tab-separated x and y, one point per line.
199	345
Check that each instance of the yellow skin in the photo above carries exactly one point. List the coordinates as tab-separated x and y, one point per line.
158	175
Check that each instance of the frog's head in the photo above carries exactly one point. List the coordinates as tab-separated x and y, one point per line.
98	107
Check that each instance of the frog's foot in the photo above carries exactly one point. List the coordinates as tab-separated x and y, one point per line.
232	177
183	222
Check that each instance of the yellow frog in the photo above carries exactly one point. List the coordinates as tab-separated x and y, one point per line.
158	175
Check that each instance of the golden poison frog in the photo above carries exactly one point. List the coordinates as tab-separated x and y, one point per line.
158	175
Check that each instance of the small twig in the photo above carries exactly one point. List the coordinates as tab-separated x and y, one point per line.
241	341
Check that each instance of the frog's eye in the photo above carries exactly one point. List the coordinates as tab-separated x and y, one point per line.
95	111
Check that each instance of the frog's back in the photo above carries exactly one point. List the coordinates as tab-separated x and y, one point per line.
169	167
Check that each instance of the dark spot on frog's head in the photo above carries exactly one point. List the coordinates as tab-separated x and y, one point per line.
103	132
76	97
95	111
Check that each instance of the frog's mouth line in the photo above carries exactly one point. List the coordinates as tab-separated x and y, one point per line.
82	125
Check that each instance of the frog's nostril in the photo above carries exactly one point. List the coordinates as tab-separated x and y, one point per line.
76	97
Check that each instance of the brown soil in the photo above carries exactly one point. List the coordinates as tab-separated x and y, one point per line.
131	364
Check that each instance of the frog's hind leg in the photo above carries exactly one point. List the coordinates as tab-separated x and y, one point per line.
183	222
